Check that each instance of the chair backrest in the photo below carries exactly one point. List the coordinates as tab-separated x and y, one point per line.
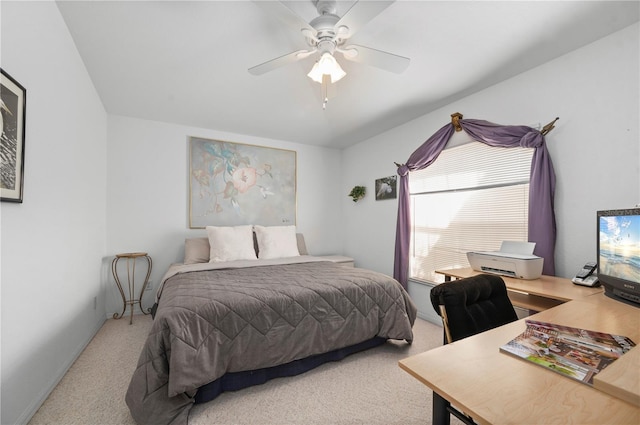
472	305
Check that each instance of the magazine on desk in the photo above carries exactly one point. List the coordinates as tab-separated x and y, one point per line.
577	353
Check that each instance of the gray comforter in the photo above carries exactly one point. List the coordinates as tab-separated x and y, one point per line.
210	322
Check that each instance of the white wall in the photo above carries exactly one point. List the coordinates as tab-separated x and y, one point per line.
147	195
52	242
595	147
96	185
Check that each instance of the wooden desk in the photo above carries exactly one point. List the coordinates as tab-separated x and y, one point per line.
537	294
495	388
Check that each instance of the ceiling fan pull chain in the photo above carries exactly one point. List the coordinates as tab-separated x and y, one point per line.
325	95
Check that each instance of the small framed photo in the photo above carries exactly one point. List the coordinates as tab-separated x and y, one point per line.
12	126
386	188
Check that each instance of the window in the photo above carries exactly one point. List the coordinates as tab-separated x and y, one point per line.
471	198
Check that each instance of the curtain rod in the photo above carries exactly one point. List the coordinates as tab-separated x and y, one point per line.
457	116
547	128
455	120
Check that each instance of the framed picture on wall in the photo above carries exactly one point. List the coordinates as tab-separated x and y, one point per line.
233	184
12	124
386	188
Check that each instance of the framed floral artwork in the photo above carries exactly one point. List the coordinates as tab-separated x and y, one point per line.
12	126
233	184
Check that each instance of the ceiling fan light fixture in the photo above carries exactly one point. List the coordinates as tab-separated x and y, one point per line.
327	65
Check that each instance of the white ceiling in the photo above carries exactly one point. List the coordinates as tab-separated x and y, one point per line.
186	62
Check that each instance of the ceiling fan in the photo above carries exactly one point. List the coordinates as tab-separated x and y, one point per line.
329	33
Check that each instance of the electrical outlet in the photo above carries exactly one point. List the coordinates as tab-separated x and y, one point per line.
149	286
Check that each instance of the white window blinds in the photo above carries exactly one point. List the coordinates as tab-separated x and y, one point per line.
471	198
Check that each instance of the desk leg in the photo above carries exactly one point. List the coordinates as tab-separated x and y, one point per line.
440	413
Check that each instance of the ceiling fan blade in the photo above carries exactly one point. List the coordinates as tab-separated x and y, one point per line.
377	58
286	15
281	61
358	15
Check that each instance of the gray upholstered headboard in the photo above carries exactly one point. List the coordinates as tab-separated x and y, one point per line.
302	247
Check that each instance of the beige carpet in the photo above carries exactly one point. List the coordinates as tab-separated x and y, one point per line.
365	388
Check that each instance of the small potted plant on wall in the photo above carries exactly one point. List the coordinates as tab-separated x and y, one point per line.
357	193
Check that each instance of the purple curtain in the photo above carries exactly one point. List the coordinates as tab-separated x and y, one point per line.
542	222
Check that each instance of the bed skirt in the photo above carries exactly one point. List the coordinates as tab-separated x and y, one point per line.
234	381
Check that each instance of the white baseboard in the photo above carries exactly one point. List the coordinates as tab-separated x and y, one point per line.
431	319
42	396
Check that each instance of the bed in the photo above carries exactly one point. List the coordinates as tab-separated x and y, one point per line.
223	325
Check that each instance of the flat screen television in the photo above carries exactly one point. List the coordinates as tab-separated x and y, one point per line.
619	254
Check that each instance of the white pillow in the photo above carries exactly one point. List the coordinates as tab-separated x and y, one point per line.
276	241
230	243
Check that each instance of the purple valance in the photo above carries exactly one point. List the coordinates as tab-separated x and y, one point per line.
542	223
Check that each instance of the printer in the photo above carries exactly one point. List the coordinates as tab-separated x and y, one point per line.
515	259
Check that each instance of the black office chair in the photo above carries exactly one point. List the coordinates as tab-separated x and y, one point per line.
467	307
